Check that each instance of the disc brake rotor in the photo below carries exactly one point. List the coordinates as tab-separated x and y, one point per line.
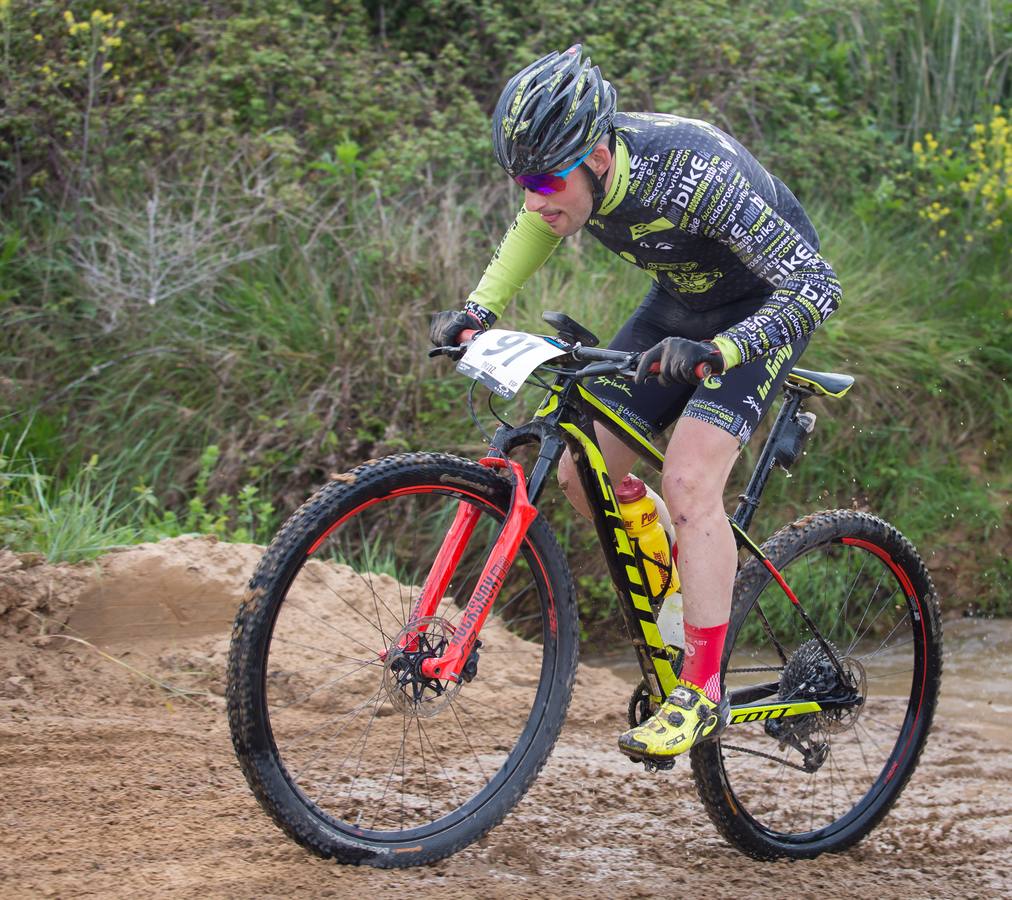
811	675
409	690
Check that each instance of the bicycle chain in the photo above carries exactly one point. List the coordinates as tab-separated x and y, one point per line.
770	756
775	759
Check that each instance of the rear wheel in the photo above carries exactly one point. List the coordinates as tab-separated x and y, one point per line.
345	744
807	784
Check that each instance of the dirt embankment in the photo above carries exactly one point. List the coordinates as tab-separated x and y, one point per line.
119	777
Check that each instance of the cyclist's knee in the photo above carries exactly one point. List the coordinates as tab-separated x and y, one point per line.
690	494
696	468
569	481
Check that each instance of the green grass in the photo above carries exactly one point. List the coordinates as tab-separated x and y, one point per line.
308	359
66	520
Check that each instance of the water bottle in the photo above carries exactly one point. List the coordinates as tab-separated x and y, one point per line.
652	547
671	621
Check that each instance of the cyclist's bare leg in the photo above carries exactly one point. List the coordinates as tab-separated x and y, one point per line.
617	457
697	464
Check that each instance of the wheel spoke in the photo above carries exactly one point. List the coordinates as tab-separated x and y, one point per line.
363	739
845	752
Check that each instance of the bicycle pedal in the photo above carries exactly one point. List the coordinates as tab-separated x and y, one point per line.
656	765
653	765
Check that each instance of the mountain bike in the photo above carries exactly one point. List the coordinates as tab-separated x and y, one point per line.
403	658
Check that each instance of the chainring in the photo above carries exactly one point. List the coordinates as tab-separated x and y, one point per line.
641	706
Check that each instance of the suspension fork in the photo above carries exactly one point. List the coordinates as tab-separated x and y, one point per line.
511	535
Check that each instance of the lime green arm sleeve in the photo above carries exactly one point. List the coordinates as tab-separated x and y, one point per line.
729	350
522	251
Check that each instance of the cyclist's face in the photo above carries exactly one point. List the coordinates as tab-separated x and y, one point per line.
566	212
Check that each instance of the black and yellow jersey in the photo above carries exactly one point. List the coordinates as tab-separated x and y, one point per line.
694	209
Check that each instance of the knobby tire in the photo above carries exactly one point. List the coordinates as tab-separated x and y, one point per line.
870	594
332	748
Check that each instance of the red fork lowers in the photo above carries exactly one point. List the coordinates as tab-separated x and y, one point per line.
521	514
443	568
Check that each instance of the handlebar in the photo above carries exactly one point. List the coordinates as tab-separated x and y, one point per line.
702	371
623	362
630	361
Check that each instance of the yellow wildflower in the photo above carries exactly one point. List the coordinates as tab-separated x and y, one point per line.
38	37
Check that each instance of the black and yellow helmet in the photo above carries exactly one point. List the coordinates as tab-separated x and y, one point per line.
551	113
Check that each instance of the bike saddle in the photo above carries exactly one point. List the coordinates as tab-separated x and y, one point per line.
828	384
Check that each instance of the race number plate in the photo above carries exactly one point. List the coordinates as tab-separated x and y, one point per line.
501	360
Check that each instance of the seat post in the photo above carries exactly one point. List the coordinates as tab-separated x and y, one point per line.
749	501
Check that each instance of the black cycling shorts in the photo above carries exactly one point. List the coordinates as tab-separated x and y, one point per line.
734	402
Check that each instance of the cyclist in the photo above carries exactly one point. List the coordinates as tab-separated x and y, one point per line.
738	283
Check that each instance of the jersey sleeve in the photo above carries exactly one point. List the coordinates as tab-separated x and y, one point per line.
807	290
523	250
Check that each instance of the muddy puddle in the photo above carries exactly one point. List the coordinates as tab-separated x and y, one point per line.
119	778
976	681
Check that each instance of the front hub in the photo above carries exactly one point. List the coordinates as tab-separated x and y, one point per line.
407	687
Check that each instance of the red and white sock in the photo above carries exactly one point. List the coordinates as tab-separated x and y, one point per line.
703	649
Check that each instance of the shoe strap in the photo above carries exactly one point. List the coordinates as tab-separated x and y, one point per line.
684	697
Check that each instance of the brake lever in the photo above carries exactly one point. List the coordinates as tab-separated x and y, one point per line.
608	368
452	352
631	366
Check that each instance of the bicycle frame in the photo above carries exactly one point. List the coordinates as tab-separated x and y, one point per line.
566	418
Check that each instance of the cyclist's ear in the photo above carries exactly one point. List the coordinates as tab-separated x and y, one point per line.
600	159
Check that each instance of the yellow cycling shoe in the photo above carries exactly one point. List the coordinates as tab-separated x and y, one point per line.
687	717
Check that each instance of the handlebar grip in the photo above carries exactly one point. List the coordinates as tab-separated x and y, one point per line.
702	371
467	334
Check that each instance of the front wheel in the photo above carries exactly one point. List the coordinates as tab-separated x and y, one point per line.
345	743
807	784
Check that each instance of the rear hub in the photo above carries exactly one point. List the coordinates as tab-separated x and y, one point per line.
811	675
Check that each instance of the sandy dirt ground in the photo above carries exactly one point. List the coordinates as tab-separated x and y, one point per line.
118	782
